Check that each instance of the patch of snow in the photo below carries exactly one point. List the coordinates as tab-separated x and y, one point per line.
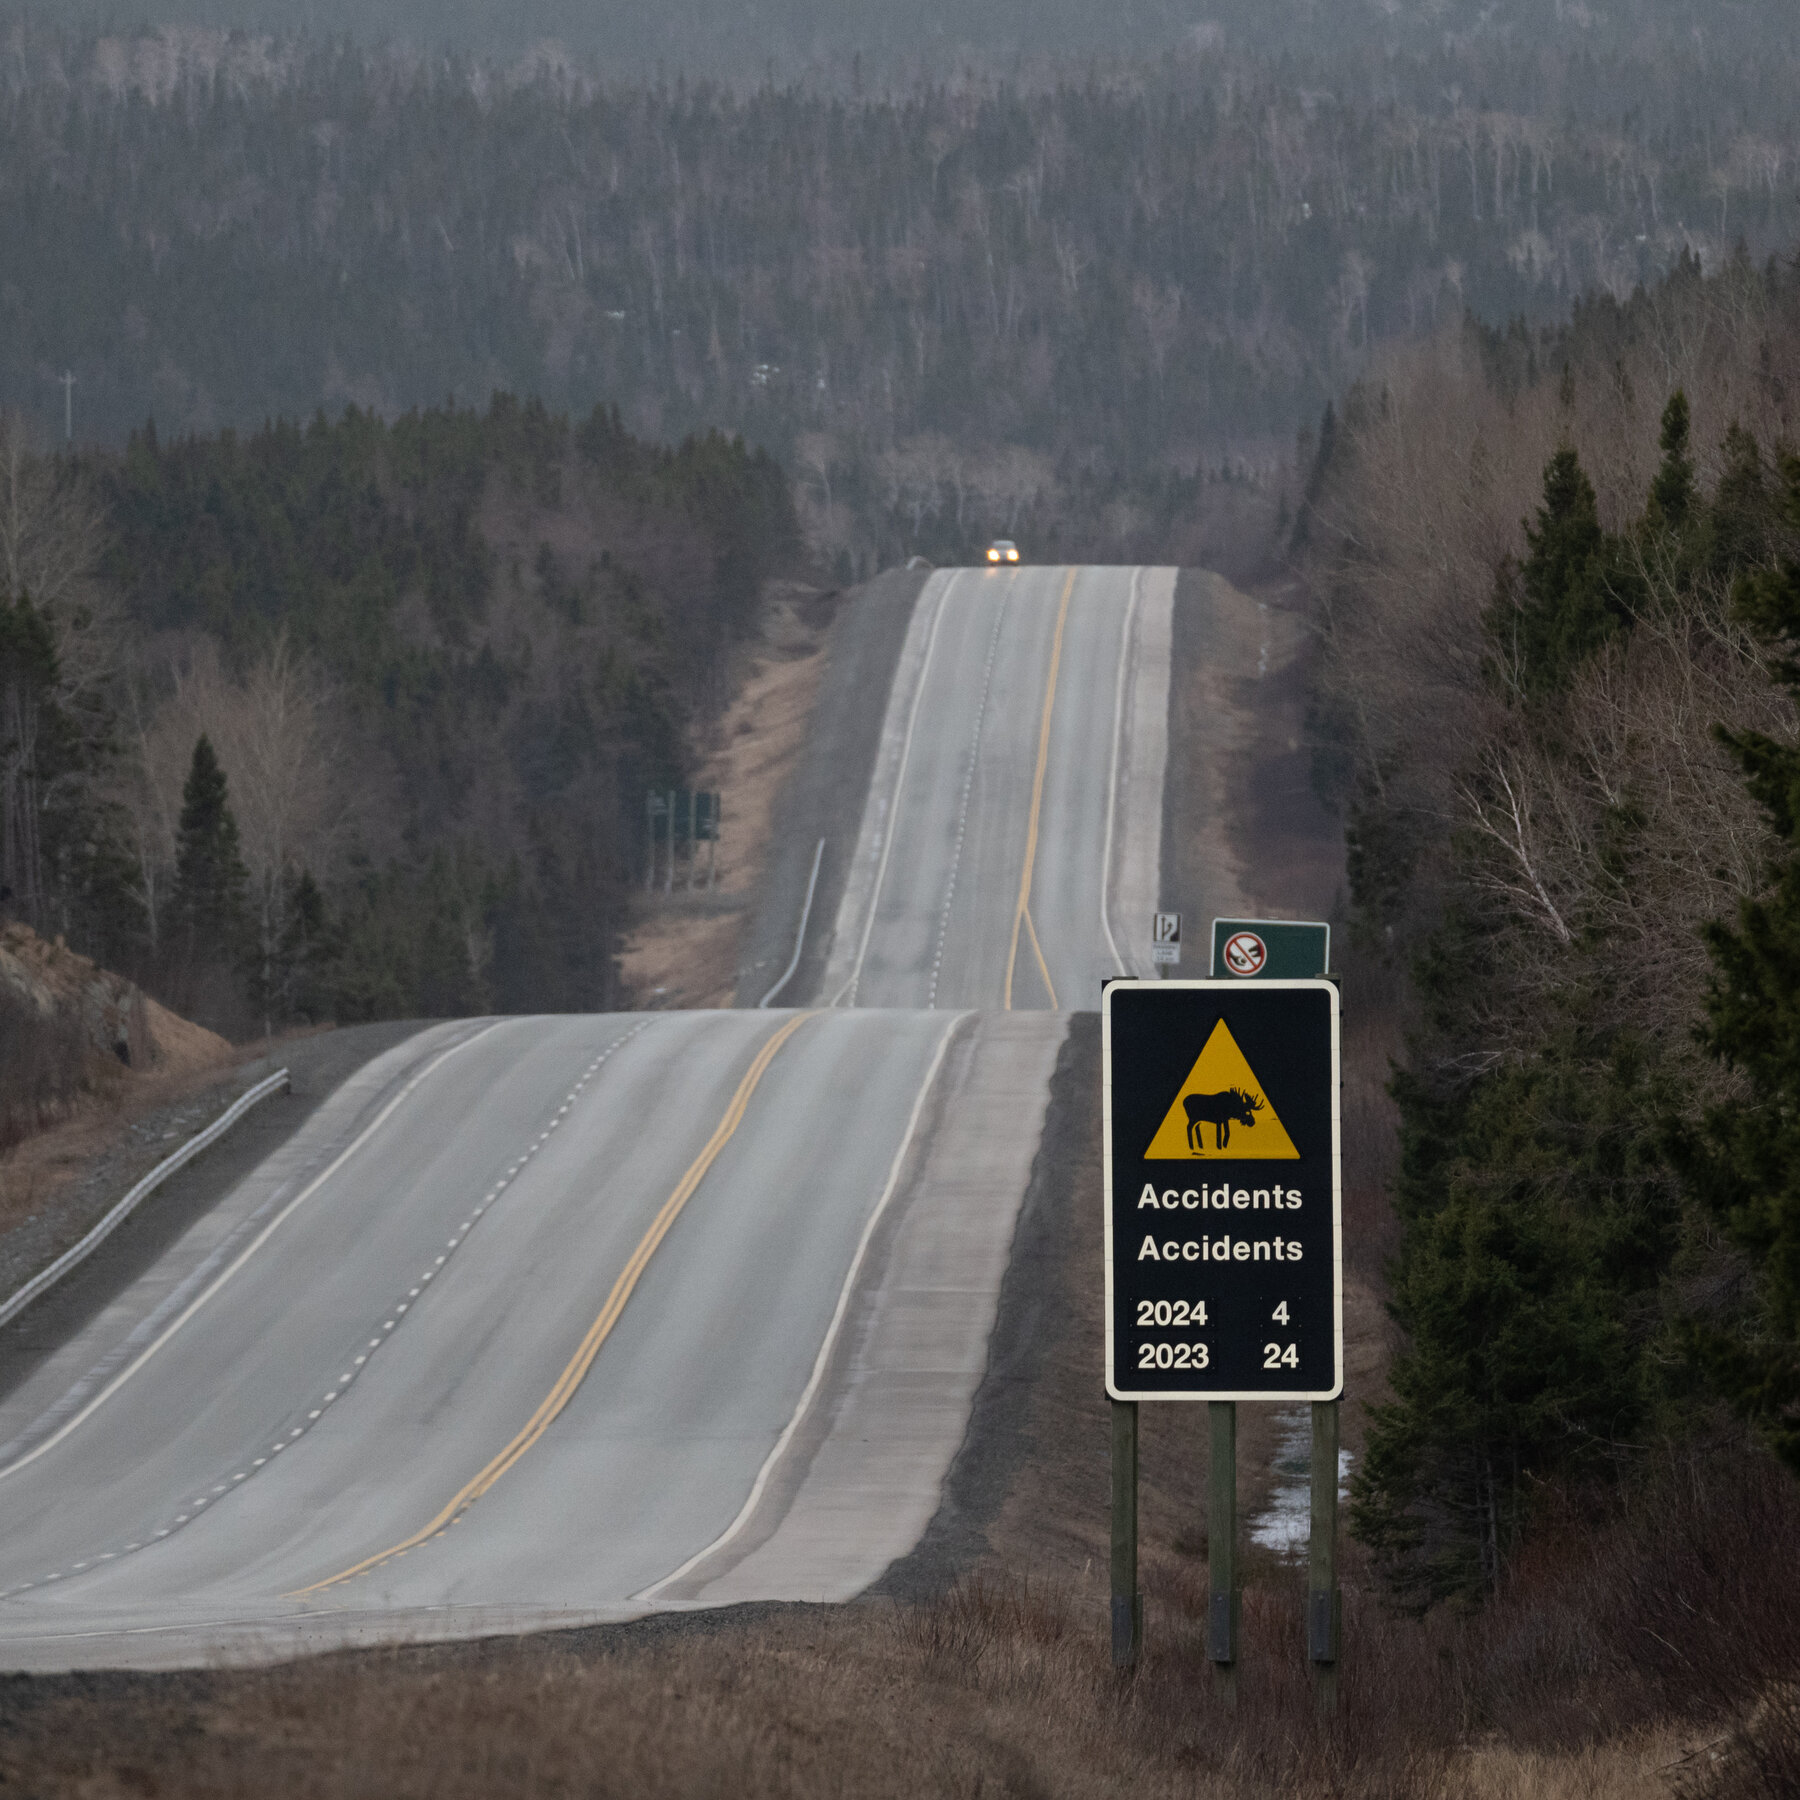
1286	1526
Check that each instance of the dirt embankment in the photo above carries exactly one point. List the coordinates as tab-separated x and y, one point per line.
792	756
684	949
97	1083
48	986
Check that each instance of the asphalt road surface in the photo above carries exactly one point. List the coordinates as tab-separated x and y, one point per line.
556	1320
1011	839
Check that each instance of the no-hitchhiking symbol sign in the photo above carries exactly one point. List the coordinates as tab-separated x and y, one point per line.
1244	953
1270	949
1223	1278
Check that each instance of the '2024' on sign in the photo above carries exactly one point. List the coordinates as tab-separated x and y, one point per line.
1224	1242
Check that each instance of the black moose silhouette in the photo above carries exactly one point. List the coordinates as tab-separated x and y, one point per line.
1220	1111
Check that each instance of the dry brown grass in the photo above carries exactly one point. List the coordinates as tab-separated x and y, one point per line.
996	1688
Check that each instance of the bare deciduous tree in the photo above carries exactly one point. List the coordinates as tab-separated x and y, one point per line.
281	748
1608	829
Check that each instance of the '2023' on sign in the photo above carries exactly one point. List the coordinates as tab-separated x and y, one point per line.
1224	1244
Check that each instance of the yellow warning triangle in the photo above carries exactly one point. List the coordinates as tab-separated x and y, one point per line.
1221	1113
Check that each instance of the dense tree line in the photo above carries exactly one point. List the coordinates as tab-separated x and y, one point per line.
1061	309
378	702
1571	557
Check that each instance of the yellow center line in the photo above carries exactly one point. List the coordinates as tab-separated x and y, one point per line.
579	1364
1021	914
1037	950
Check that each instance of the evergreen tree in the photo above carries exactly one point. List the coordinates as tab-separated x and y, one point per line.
210	878
63	868
27	719
291	980
1535	1225
1745	508
1672	492
1539	1220
1743	1162
1569	595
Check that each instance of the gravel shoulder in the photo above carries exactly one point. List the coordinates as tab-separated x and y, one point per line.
824	796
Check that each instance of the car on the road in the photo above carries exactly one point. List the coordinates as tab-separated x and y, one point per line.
1003	550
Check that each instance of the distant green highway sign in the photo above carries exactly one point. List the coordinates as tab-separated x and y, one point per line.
1269	949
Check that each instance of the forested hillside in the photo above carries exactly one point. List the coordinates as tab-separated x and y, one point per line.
1556	575
1091	311
355	719
852	41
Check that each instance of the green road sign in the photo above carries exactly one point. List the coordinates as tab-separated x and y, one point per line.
1224	1238
1269	949
693	815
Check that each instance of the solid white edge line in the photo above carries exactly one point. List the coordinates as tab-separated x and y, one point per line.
77	1253
800	935
887	842
256	1243
823	1359
1112	780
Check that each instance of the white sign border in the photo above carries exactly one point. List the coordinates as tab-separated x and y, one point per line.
1233	985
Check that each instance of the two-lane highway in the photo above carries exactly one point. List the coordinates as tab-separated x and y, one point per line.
1011	841
550	1320
590	1262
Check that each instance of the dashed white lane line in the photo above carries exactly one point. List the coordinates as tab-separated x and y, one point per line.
962	810
88	1403
1126	640
847	993
387	1328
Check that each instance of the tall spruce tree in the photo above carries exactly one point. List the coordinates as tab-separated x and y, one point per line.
27	719
1672	492
1570	594
210	879
1534	1230
1743	1162
1745	512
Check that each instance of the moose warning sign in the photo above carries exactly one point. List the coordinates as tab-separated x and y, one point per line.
1220	1092
1223	1277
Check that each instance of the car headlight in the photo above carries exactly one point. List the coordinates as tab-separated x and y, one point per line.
1012	556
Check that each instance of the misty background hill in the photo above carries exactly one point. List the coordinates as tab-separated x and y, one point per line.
1094	310
745	40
